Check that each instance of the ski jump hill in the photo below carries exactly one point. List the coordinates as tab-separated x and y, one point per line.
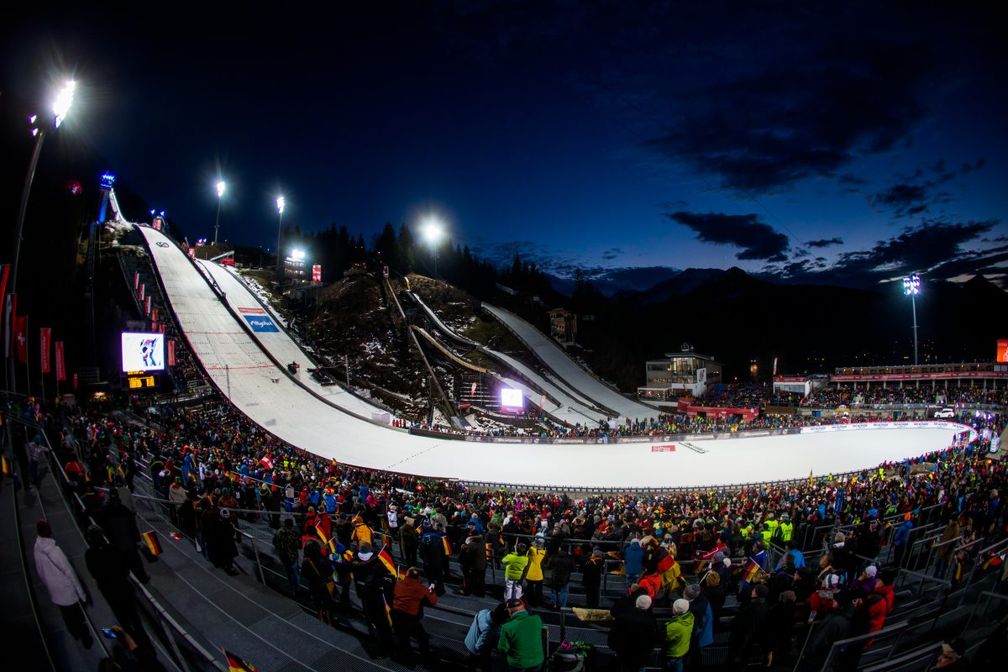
244	351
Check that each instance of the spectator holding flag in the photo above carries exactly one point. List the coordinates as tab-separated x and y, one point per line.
407	613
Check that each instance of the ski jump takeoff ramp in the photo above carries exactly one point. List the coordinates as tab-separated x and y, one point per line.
238	366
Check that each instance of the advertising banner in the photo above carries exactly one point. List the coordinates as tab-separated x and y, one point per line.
171	352
1002	351
45	335
60	361
258	319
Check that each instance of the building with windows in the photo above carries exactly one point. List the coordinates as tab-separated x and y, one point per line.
678	374
563	326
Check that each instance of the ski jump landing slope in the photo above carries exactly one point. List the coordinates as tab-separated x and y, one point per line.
568	371
279	344
569	408
240	369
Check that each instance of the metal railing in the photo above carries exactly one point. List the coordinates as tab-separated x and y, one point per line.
170	629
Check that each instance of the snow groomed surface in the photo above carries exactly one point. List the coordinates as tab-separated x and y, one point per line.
278	343
238	367
567	370
560	403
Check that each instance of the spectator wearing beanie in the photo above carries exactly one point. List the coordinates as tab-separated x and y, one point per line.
678	632
521	639
703	621
407	611
634	634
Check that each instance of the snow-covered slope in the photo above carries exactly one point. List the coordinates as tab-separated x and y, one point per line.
567	370
238	367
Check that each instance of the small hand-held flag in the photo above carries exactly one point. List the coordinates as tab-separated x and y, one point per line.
236	664
386	559
151	541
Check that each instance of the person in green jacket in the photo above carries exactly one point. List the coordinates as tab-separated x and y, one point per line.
514	564
677	635
521	639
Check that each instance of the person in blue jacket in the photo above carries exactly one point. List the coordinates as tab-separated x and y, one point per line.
633	561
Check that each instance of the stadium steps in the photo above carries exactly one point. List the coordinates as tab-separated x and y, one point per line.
237	613
18	617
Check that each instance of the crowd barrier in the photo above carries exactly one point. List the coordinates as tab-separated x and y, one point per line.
167	628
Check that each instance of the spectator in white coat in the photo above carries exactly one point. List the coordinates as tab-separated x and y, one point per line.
61	581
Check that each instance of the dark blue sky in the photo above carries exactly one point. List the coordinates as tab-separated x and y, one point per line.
803	140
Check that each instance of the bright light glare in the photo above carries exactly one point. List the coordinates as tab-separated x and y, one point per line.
432	229
911	285
297	255
281	203
220	188
64	99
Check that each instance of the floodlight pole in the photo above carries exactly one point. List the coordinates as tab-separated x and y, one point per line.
217	222
913	306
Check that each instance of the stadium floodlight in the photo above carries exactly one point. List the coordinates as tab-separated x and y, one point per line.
297	254
60	108
433	230
281	203
911	288
221	187
64	101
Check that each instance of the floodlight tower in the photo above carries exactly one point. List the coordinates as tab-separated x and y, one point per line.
60	108
911	288
433	230
281	203
221	186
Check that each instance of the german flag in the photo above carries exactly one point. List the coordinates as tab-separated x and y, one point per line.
447	545
325	540
750	571
153	545
386	559
236	664
388	610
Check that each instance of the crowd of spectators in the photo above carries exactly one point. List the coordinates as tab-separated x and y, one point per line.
214	469
849	395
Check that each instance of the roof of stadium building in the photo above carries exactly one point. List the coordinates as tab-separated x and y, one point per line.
951	371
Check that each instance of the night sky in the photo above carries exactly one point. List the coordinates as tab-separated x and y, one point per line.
847	142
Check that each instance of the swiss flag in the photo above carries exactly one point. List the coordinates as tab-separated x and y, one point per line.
21	337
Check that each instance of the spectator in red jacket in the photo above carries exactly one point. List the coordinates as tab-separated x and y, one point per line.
407	611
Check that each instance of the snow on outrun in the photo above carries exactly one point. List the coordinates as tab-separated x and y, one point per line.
239	367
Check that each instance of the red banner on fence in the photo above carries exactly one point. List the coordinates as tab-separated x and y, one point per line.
60	361
171	352
45	336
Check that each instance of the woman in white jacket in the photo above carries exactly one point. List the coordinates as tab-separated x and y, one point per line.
61	581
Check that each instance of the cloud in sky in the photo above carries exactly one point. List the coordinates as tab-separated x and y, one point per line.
938	248
800	118
917	193
824	242
758	240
